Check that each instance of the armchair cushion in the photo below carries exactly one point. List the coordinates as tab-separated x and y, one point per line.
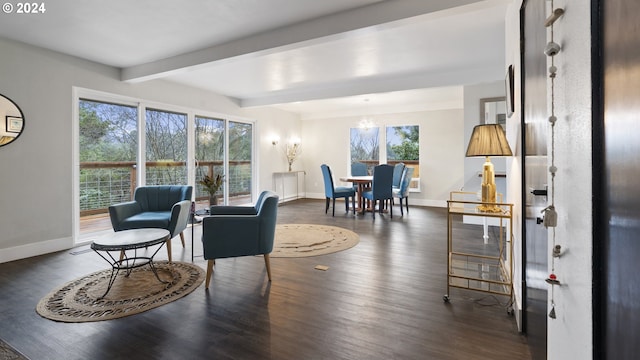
238	210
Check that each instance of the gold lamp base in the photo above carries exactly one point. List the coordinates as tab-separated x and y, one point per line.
488	189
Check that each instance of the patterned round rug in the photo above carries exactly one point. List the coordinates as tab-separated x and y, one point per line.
301	240
79	300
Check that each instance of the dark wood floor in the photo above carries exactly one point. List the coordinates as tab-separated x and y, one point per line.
379	300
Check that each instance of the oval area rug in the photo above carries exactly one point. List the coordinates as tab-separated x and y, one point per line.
301	240
77	300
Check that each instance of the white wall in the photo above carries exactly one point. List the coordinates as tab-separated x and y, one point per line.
441	151
570	334
36	181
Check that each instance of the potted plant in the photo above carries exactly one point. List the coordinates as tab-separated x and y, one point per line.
212	185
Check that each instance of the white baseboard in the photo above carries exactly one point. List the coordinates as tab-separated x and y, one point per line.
35	249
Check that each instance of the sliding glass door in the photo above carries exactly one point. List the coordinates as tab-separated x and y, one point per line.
210	150
240	164
165	147
122	144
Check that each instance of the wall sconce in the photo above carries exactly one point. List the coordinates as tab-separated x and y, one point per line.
274	140
488	140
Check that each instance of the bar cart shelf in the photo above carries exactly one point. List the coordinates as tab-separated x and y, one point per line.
479	266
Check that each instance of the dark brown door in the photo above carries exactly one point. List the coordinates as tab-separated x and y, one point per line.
617	233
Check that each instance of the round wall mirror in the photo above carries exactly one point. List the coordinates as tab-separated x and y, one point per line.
12	121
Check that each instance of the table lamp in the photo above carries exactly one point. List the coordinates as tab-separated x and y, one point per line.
488	140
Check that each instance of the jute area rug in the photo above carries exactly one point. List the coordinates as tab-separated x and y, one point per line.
78	300
301	240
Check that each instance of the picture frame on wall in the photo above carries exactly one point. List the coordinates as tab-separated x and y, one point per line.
508	83
14	124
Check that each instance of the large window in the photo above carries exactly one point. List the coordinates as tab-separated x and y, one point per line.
402	145
365	146
165	147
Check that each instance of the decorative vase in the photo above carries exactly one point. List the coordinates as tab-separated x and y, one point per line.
213	200
290	162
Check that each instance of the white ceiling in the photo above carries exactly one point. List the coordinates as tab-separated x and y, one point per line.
307	56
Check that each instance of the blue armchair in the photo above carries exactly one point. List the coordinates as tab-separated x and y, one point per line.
380	188
331	192
159	206
403	191
234	231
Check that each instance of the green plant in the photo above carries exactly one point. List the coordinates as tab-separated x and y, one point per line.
212	185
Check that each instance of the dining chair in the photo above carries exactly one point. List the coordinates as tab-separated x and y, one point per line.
403	191
359	169
332	192
380	188
397	175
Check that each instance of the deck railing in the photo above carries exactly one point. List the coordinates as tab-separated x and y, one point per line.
105	183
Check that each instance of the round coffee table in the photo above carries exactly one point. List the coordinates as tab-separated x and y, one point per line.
121	241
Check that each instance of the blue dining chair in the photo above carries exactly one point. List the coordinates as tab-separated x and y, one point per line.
397	175
380	188
359	169
403	191
331	192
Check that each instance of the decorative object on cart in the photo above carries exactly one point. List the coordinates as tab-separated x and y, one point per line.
488	140
292	151
79	300
14	121
212	185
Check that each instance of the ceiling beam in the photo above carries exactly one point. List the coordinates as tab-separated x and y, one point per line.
379	85
366	18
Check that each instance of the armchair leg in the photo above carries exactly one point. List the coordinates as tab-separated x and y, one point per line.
182	238
169	249
209	271
326	205
268	265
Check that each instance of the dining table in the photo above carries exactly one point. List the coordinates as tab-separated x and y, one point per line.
362	182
